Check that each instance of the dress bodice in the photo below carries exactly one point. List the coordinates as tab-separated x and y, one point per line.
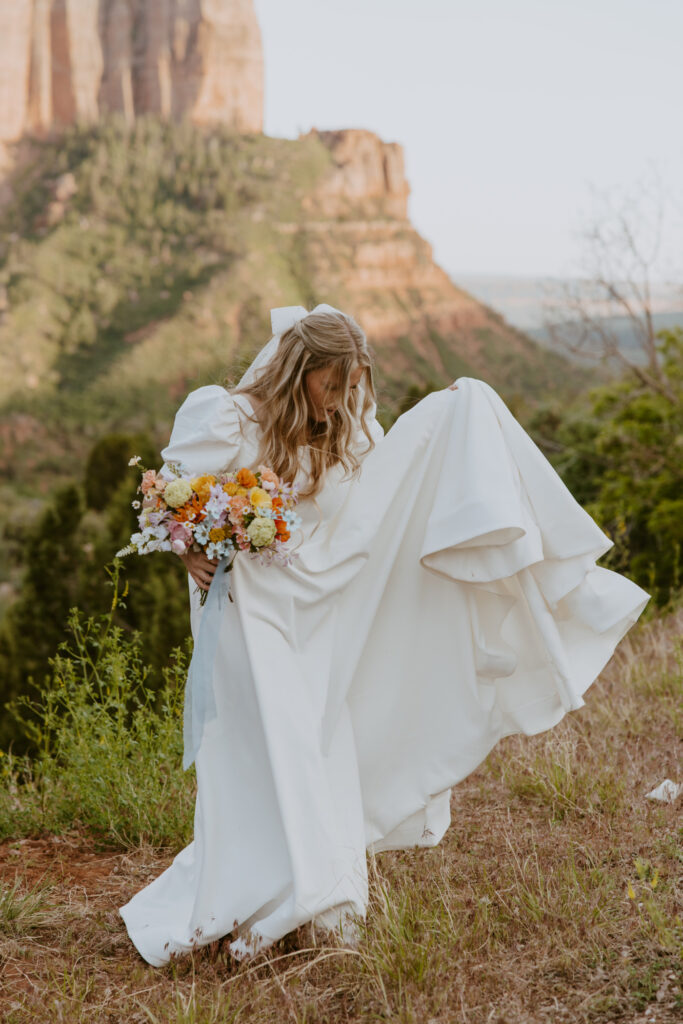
215	431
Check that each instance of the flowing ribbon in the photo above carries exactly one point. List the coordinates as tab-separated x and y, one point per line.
200	703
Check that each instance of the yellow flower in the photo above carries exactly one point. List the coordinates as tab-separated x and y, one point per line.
217	534
261	531
177	492
202	485
260	498
198	481
232	489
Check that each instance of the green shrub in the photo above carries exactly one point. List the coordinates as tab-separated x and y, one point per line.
620	452
107	747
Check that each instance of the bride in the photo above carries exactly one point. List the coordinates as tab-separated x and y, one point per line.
444	595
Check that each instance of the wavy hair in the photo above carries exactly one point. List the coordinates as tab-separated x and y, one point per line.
285	413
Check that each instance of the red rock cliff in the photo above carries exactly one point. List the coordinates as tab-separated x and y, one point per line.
68	60
364	249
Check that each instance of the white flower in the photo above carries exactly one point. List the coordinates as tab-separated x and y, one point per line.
134	461
201	533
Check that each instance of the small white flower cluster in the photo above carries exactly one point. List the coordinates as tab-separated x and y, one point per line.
152	538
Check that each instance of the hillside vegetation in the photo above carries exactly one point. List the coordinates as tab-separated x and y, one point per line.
139	262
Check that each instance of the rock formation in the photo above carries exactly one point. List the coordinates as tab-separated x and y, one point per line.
68	60
363	246
365	172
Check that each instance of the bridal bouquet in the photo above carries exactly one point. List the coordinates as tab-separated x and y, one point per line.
245	510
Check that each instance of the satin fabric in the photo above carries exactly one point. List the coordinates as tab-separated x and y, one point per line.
444	599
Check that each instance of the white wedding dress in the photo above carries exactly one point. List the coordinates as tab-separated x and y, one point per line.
444	599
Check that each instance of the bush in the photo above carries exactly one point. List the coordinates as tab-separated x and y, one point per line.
620	452
107	748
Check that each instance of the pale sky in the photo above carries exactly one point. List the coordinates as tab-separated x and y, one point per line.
508	110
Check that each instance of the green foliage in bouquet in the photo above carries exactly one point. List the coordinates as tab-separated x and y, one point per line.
107	748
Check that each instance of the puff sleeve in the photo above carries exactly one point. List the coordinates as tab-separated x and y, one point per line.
206	435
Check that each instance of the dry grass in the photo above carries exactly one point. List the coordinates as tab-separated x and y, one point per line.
555	896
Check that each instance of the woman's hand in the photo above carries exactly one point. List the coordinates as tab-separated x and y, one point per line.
452	387
200	568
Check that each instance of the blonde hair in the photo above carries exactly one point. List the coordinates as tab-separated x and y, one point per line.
318	340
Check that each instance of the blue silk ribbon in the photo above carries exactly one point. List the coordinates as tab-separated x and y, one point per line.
200	702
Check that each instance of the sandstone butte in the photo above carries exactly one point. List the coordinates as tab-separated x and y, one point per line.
68	60
63	61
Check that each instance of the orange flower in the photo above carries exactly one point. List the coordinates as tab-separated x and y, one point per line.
282	529
277	503
202	486
246	478
192	510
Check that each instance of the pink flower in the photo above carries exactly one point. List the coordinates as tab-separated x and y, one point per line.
243	542
269	479
149	479
237	506
181	536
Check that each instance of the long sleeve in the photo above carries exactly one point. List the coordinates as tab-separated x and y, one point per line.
206	435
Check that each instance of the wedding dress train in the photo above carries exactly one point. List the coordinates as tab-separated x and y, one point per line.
446	598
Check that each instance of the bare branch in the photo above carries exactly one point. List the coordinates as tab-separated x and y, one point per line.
621	244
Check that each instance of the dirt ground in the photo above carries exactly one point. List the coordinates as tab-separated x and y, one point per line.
556	895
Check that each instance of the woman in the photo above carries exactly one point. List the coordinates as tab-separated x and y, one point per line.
445	595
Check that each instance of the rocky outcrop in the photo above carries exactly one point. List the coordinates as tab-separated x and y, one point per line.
63	61
361	246
366	174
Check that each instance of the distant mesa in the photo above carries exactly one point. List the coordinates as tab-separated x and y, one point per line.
63	61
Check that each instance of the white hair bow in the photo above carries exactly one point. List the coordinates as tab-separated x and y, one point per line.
284	317
281	319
